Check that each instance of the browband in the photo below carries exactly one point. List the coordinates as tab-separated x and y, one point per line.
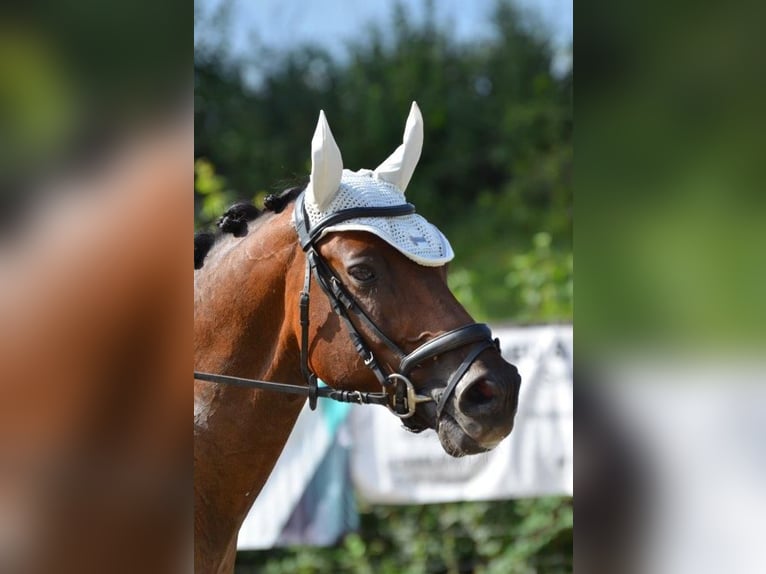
308	236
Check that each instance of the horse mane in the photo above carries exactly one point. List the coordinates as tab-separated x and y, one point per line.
236	218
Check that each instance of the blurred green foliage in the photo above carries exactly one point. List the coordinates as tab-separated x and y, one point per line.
533	535
671	211
538	284
495	176
36	101
211	192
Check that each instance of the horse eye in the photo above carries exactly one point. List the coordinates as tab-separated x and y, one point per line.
362	273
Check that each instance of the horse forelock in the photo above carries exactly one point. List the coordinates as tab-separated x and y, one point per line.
236	219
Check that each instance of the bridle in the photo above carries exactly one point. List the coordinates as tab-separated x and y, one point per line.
398	393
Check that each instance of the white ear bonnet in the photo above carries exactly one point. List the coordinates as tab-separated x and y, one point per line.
332	188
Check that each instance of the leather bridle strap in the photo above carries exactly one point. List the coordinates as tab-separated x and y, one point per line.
457	375
309	236
341	307
342	302
308	374
357	397
449	341
339	296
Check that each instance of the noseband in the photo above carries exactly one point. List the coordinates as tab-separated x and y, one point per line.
398	392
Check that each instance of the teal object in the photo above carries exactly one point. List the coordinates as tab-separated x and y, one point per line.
332	413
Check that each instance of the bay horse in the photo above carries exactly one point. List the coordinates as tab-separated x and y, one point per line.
383	320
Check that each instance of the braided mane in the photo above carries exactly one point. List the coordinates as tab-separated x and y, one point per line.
236	218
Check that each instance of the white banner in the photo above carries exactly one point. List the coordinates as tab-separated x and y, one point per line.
392	466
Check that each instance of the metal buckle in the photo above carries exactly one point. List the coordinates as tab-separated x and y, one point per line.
409	399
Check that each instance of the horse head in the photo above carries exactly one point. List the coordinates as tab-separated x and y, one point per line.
383	270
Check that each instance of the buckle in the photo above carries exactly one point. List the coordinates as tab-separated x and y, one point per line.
405	398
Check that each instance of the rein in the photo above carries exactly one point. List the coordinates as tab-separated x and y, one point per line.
403	399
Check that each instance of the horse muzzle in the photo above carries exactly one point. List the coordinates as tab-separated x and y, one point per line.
472	408
485	406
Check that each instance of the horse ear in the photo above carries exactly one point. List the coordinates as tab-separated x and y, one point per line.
400	165
326	165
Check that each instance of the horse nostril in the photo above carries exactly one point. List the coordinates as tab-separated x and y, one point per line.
481	392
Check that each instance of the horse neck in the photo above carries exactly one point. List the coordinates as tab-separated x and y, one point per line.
240	301
241	329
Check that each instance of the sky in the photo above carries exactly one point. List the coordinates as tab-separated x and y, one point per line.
280	24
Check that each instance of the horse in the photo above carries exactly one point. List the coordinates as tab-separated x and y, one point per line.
383	320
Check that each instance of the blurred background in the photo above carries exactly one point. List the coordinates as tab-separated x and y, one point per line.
670	236
494	82
74	82
96	146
